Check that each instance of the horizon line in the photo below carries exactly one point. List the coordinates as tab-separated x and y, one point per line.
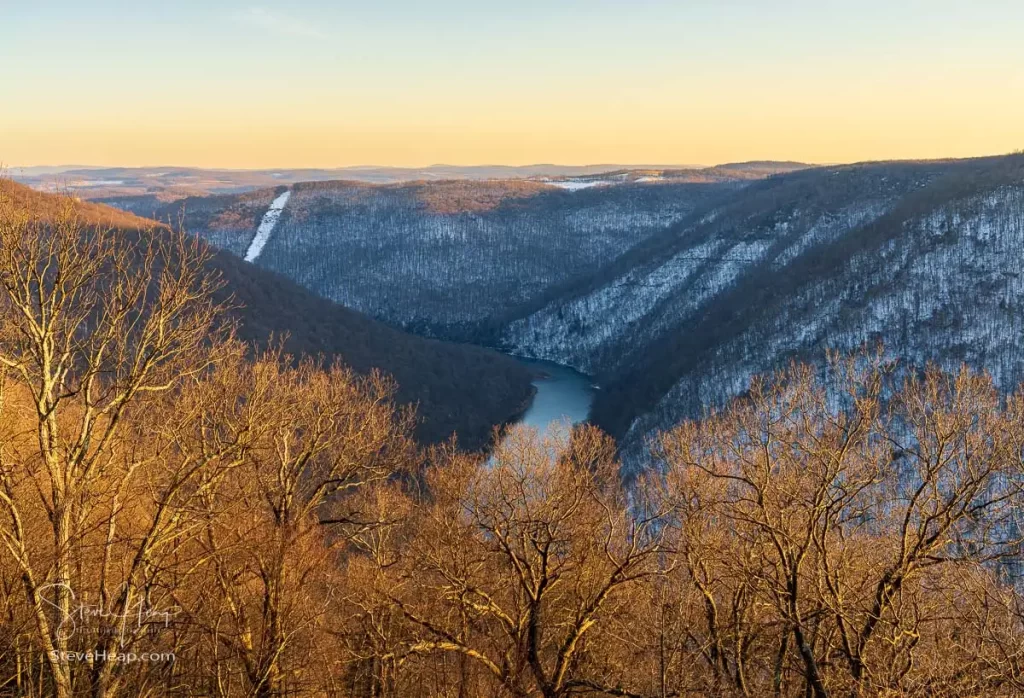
630	165
620	165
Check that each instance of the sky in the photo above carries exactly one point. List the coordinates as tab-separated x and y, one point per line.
411	83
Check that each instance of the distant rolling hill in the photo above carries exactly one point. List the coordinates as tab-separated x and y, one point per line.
458	388
45	205
163	184
166	183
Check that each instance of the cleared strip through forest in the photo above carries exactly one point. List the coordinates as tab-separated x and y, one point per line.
270	219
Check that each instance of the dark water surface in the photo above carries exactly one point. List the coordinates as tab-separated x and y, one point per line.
563	395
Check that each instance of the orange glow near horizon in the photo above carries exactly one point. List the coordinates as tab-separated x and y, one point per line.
654	85
814	132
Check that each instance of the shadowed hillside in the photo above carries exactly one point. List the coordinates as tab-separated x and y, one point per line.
458	388
447	259
671	293
922	257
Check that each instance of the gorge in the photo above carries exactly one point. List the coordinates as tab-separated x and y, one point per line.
670	288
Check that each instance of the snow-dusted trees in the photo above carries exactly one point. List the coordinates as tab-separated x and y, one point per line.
857	527
450	258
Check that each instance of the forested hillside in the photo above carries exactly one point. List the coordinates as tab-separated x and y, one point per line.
922	258
450	259
455	388
672	294
186	514
183	515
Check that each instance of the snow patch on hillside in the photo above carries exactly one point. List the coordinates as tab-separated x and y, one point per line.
596	330
270	219
572	332
576	185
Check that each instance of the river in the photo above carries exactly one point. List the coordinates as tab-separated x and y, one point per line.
563	394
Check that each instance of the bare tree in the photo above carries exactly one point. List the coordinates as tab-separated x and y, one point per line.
527	556
843	504
273	531
94	326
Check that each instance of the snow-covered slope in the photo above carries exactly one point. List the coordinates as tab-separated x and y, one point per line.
928	262
604	323
452	259
673	294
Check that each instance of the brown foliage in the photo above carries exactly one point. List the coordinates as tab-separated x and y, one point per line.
459	196
48	207
239	523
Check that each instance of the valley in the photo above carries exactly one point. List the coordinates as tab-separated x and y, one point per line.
512	350
671	291
454	388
